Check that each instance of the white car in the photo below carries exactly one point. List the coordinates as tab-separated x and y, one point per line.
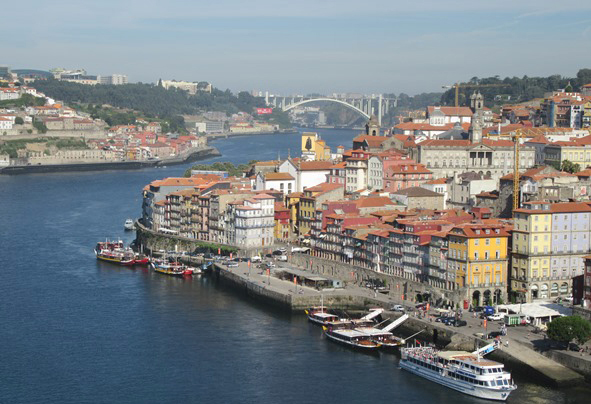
256	258
496	317
282	258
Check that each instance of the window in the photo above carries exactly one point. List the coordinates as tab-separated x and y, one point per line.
498	241
476	242
487	241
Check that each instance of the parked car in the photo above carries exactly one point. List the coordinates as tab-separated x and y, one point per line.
397	307
277	252
282	258
232	264
496	317
256	258
283	250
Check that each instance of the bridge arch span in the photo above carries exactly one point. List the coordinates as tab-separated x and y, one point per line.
346	104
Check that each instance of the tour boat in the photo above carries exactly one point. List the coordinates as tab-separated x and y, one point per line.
129	224
319	315
351	338
385	338
172	268
465	372
113	251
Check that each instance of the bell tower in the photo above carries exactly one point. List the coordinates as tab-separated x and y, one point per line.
372	127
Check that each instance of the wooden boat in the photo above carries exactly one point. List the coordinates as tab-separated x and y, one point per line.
170	268
351	338
115	252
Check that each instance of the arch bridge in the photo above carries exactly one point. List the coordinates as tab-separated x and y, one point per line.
363	105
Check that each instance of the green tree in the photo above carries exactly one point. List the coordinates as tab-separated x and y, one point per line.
570	167
569	328
18	120
40	126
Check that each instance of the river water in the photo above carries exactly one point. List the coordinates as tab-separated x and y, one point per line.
73	330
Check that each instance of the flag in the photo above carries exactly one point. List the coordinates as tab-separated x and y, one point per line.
417	342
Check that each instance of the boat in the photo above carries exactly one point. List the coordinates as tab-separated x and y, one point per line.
319	315
465	372
129	224
115	252
384	336
141	259
351	338
170	268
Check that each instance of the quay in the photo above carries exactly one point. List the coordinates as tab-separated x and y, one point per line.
257	284
190	155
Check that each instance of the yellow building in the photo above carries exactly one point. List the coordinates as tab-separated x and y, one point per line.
478	253
577	151
293	204
314	148
549	243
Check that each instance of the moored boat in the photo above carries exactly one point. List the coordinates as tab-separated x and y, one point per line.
385	338
465	372
319	315
351	338
129	224
170	268
115	252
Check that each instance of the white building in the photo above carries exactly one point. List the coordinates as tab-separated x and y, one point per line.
283	182
5	124
250	223
312	173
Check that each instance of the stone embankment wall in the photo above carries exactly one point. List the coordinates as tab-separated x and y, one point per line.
572	361
17	134
397	286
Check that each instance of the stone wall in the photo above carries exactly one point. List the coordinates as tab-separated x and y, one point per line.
571	361
357	275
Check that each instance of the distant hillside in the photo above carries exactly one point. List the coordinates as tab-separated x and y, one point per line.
514	89
153	101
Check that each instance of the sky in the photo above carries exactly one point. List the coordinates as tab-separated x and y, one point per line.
301	46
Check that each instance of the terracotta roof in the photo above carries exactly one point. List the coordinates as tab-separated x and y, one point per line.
373	202
416	192
278	176
453	111
324	187
567	207
438	181
315	165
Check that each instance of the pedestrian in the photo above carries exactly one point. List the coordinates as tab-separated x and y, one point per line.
507	343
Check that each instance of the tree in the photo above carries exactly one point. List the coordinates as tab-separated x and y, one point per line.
570	167
569	328
18	120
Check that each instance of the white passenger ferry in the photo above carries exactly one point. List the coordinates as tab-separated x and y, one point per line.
462	371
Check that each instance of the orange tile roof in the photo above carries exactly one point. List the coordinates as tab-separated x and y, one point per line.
278	176
453	111
315	165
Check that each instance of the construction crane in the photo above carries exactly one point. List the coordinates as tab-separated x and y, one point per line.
467	85
516	139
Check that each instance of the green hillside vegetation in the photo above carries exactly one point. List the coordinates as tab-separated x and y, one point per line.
11	147
515	89
151	101
26	100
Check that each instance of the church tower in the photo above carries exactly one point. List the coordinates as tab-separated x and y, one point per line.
372	127
476	101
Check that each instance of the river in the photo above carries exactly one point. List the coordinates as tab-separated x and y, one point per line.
74	330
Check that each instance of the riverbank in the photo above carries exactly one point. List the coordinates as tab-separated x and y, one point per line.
191	155
239	134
